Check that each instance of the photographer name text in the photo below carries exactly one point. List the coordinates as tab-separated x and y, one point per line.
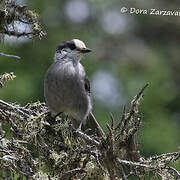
153	11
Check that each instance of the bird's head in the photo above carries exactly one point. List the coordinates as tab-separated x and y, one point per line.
73	49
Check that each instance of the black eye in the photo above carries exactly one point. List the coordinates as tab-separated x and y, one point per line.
71	45
66	44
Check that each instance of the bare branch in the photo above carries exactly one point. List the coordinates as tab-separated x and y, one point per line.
72	172
176	171
18	34
112	120
5	106
141	92
135	164
124	177
87	138
8	55
122	119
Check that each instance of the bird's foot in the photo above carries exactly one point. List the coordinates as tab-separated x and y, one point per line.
79	129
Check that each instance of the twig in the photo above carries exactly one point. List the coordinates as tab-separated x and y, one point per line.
6	151
27	174
130	163
25	110
9	106
135	128
173	169
122	119
110	139
20	142
71	172
124	177
8	55
131	112
95	154
112	121
87	138
167	154
141	92
18	34
125	121
130	174
135	101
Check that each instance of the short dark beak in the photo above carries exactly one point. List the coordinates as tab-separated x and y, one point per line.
85	50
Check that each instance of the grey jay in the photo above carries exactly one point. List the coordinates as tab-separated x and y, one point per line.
67	88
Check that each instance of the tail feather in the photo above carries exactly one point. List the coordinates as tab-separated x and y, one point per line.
92	124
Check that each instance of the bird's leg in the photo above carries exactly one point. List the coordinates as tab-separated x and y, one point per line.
57	115
57	121
80	125
52	119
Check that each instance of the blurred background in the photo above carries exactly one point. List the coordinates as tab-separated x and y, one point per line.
129	50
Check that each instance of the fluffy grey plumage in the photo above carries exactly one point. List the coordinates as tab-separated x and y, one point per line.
66	85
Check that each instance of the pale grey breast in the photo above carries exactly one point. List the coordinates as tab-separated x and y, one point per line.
65	89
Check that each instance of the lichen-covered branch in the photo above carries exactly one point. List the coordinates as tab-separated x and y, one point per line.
12	15
32	147
4	78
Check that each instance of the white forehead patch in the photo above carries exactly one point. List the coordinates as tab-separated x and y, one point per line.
79	44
